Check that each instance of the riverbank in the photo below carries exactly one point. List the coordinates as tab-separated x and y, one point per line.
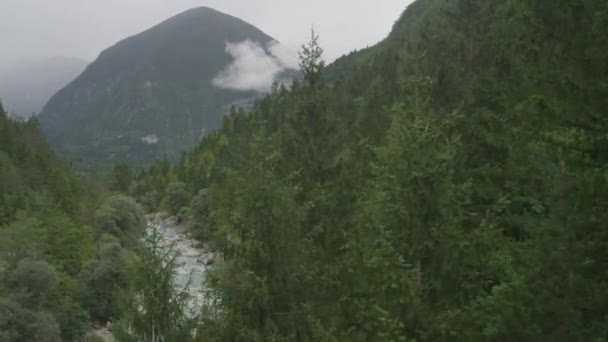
192	257
191	263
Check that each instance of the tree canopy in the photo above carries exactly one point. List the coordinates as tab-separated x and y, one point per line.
448	184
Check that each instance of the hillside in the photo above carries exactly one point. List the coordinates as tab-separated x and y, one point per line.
448	184
26	86
44	242
67	257
153	93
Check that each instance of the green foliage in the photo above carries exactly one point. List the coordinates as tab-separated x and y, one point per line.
57	274
199	214
448	184
31	176
158	311
121	217
107	279
176	197
23	238
35	278
20	324
311	63
54	277
43	259
44	241
121	178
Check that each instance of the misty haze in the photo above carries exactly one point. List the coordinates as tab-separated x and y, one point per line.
45	47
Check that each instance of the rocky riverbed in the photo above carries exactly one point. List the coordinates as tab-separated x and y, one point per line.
191	263
192	258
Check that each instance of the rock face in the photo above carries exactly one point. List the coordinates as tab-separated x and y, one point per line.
101	334
150	94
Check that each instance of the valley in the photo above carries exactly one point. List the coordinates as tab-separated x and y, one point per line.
200	182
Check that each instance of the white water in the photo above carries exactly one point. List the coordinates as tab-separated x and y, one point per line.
191	262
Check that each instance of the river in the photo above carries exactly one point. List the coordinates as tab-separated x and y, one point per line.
191	263
192	259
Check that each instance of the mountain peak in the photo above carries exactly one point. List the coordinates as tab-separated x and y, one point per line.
200	14
157	84
202	10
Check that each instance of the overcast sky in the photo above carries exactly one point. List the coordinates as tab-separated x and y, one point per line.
37	29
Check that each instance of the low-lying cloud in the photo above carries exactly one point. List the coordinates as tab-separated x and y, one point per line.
255	67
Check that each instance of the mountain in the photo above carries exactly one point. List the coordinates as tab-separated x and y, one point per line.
156	92
26	86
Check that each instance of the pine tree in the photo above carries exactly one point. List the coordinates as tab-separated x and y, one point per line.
159	311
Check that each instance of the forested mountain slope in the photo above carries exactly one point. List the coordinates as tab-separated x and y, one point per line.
63	268
449	184
150	94
31	174
43	245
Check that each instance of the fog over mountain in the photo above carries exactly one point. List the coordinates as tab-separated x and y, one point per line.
26	85
255	67
37	29
159	92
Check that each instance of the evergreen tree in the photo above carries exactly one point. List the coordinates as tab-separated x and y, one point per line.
159	310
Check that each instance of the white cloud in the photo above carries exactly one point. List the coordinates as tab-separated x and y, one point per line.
287	57
254	67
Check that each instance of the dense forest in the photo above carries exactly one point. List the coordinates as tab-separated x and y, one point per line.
448	184
70	256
